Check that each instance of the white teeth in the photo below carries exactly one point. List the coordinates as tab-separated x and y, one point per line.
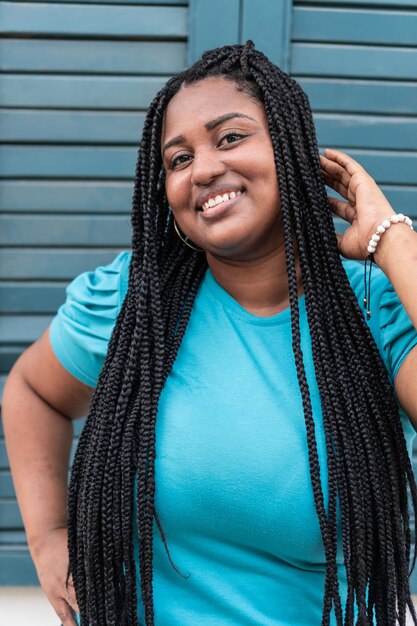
218	199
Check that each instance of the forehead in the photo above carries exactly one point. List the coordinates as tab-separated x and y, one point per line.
194	105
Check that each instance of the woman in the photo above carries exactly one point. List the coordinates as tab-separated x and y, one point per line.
245	459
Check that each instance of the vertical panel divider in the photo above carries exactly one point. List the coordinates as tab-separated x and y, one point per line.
217	23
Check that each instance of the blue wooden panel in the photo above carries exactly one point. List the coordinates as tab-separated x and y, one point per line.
16	297
49	264
326	94
6	485
211	25
8	357
354	61
360	131
66	196
84	162
350	25
82	92
361	96
9	511
116	2
77	230
121	57
376	3
93	19
268	24
16	566
388	167
15	329
2	383
77	127
16	537
107	127
98	162
403	199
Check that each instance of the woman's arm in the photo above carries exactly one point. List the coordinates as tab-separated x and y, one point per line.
40	401
365	208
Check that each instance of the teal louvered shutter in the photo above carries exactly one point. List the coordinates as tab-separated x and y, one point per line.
75	83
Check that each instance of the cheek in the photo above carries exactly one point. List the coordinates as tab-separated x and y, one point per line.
177	192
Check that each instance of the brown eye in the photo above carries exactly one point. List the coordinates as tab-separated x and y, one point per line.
231	138
179	160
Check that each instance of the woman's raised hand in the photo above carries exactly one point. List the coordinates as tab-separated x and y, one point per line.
51	561
364	207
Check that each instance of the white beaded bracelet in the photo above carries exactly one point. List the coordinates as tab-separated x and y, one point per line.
373	242
394	219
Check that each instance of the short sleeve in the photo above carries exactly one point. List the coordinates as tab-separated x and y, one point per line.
398	335
80	331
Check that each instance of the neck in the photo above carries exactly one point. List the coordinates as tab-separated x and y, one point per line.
259	285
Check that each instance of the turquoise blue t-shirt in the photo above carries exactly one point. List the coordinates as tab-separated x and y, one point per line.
233	488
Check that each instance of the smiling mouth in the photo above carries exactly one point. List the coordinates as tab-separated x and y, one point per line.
219	199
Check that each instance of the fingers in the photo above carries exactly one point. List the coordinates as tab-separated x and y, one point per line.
335	184
342	209
343	160
64	612
71	598
334	173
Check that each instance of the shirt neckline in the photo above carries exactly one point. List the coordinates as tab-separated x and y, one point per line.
216	290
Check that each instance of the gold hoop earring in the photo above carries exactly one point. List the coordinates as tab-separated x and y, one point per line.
185	240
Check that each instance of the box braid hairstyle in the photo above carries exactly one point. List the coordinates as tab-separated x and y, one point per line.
369	470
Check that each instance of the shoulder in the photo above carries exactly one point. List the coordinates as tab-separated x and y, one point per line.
80	331
390	324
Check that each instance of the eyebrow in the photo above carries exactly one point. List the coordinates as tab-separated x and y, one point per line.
209	126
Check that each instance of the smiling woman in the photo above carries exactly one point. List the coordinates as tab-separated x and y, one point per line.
245	459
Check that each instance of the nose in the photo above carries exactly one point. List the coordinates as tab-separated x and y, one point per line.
207	164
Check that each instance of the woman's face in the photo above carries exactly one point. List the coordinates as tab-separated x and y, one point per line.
216	146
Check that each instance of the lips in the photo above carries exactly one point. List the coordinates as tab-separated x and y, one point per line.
215	195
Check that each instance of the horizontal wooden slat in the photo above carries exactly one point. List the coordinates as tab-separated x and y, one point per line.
389	3
354	61
360	131
82	230
9	511
22	329
2	383
16	566
6	485
101	92
98	20
361	96
44	161
8	357
46	264
78	92
30	297
48	162
99	197
16	537
72	127
355	25
122	57
77	127
66	197
403	199
141	2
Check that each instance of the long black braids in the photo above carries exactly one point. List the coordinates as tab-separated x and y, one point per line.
368	467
